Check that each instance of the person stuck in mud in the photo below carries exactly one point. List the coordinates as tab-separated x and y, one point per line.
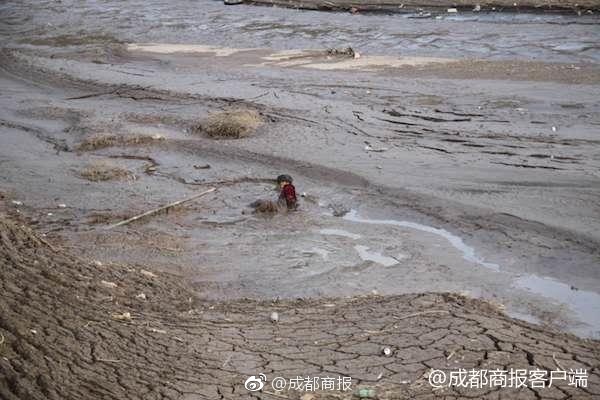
287	200
287	196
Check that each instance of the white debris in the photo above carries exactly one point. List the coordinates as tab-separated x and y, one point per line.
141	296
17	203
553	129
147	273
452	10
108	284
274	317
62	205
122	317
356	55
386	351
50	214
33	331
477	8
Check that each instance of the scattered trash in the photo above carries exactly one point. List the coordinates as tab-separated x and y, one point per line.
97	263
205	166
378	167
477	8
233	2
150	169
380	376
553	129
366	393
274	317
154	330
147	274
17	203
50	214
348	52
386	351
62	205
108	284
33	331
452	10
122	317
379	150
141	296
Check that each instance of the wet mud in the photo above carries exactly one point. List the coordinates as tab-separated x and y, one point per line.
420	173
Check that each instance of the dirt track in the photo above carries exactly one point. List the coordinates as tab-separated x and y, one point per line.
62	338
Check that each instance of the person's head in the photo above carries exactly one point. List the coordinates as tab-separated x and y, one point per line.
283	180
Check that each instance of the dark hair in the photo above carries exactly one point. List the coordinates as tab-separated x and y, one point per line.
284	178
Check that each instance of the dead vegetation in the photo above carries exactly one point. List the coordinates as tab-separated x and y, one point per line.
103	171
233	124
109	140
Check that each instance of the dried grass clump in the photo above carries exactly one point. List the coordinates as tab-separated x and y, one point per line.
104	141
102	171
231	124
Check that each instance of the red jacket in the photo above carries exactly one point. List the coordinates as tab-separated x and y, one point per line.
288	194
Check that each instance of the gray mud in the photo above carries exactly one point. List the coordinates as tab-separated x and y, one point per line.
493	178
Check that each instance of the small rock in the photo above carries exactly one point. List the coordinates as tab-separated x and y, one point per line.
141	296
147	273
274	317
386	351
108	284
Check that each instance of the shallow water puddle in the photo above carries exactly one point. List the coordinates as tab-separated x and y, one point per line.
583	303
366	255
467	251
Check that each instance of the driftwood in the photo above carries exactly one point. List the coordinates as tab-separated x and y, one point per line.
159	209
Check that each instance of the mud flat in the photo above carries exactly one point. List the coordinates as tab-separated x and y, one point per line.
75	329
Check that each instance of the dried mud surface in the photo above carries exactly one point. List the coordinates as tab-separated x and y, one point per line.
63	339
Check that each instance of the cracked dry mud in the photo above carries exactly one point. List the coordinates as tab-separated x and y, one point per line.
62	337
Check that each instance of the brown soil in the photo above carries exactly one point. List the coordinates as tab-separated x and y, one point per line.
66	334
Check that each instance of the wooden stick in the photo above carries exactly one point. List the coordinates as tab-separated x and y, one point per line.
162	208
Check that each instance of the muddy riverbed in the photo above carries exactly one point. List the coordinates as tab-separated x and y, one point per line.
456	154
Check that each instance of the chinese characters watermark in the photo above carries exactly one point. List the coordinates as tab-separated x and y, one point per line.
513	378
